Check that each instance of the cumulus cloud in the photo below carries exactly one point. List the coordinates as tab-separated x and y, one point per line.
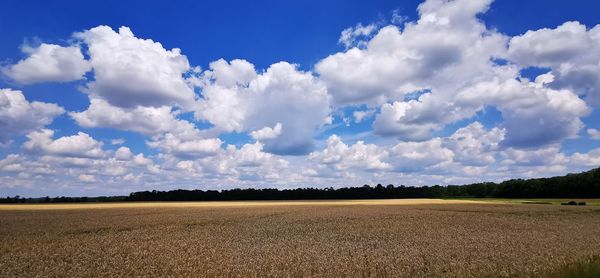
143	119
360	115
236	165
546	156
593	133
411	120
474	145
446	47
130	71
418	156
19	116
359	156
533	114
173	144
448	58
123	153
590	159
282	94
80	145
75	163
117	141
140	86
571	51
235	73
443	52
49	63
267	132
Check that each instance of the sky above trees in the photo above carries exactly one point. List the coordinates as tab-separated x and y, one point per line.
108	98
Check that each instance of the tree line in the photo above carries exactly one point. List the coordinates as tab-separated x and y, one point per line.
580	185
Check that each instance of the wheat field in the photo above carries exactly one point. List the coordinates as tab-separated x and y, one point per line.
377	238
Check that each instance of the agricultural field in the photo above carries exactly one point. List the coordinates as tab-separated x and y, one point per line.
363	238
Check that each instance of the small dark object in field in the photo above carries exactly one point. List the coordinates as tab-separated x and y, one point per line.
573	203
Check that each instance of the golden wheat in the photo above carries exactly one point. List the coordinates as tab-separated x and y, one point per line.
297	239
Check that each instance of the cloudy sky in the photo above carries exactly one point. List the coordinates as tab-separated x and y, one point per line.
103	99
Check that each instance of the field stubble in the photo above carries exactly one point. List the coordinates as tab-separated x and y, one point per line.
455	239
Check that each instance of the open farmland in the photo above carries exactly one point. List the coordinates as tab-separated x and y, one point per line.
370	238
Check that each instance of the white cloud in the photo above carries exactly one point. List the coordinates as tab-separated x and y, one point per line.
137	86
129	71
544	157
187	165
49	63
173	144
267	132
252	155
140	159
230	165
549	47
146	120
354	36
281	94
87	178
117	141
404	119
474	146
359	156
417	156
12	163
533	114
80	145
571	51
361	115
398	18
444	56
123	153
590	159
446	48
235	73
19	116
593	133
73	163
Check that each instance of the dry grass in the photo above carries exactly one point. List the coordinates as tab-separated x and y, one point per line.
316	239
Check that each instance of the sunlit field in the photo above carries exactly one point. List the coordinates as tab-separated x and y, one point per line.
231	204
364	238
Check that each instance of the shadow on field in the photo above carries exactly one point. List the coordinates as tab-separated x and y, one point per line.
589	268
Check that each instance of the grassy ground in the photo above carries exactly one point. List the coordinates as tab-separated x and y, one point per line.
310	239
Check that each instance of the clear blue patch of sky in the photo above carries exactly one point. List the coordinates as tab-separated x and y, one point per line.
514	17
584	143
344	124
489	117
235	138
532	72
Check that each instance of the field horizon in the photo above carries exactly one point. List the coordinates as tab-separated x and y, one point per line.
313	202
249	203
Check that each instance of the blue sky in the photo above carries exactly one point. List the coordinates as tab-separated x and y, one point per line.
288	93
